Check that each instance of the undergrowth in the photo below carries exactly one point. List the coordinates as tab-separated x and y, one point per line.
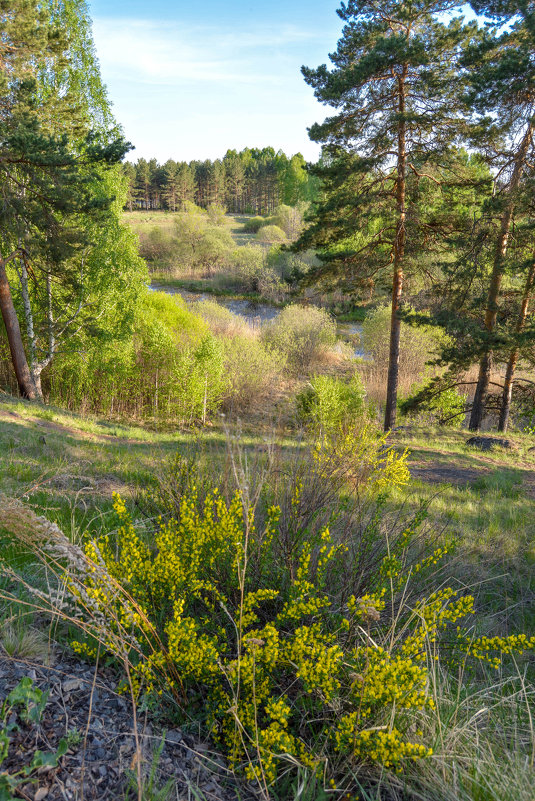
286	615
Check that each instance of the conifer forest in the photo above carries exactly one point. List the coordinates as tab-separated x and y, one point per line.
267	422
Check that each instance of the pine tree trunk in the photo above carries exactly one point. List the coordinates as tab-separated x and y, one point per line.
399	253
480	397
18	356
513	356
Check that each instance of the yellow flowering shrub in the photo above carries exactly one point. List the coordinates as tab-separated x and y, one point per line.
281	666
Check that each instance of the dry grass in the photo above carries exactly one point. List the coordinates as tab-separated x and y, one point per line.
20	640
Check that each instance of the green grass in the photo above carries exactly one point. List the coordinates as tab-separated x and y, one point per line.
486	502
356	315
68	466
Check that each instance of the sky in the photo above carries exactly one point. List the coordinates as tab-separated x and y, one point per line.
189	80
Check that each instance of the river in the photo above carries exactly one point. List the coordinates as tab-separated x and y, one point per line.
261	313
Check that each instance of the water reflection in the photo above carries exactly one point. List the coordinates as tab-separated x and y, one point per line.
260	313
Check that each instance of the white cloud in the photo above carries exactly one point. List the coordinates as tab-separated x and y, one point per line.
169	54
185	92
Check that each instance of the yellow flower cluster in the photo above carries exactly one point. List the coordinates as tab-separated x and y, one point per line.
386	746
435	612
280	666
368	608
484	648
317	661
390	679
376	465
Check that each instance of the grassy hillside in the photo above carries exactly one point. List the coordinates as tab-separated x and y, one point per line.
481	506
68	466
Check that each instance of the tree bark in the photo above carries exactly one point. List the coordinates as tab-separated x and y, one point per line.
399	253
18	356
513	356
485	364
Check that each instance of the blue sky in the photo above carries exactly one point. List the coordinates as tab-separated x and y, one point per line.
188	80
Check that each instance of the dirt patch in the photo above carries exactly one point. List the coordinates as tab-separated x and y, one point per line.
84	711
437	473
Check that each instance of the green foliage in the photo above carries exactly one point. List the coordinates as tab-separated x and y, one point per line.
332	404
252	369
171	368
216	214
200	245
259	618
149	789
157	245
30	699
271	235
254	181
446	406
220	320
289	219
253	224
418	345
24	707
303	333
244	270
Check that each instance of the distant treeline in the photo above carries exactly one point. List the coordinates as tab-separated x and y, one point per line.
250	182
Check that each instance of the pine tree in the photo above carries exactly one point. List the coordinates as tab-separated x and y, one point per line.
235	180
185	184
394	85
502	97
129	172
143	177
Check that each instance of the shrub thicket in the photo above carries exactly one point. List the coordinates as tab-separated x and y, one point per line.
271	235
253	224
171	368
446	408
220	320
332	404
303	333
158	247
243	270
252	370
417	344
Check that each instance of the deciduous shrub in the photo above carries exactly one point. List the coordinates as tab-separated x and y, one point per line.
158	247
171	368
217	214
243	271
278	652
252	369
253	224
290	219
417	344
447	407
270	235
220	320
201	246
256	622
332	404
303	333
